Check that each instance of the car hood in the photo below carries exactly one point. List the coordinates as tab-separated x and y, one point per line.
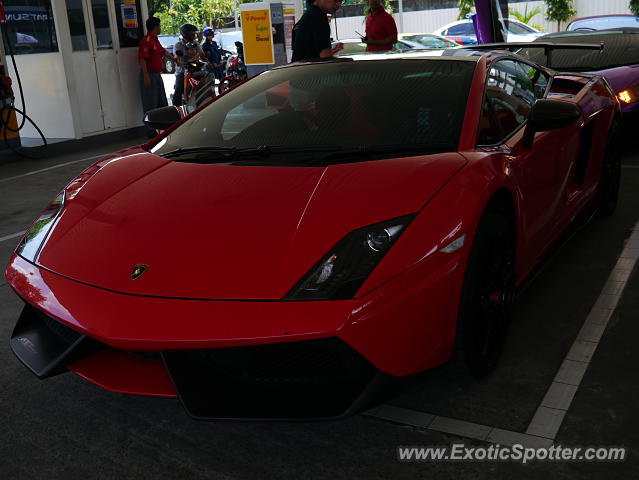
222	231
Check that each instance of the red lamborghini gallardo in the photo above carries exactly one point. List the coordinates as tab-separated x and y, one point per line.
323	226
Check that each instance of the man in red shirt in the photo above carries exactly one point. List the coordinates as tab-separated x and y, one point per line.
381	31
151	58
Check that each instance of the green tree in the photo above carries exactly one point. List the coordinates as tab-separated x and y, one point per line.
559	11
527	16
197	12
465	6
157	6
634	7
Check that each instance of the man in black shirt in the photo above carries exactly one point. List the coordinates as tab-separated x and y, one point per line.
312	34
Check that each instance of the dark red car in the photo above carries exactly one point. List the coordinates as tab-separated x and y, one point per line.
315	230
617	61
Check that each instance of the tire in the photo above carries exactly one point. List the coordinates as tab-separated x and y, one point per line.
223	86
608	189
169	66
487	296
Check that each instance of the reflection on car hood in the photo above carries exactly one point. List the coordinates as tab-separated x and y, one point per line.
226	232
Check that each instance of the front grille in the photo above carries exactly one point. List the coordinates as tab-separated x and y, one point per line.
310	362
308	379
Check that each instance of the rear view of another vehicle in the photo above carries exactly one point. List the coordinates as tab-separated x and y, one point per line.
463	31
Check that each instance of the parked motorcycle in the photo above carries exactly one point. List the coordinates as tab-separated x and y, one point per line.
235	69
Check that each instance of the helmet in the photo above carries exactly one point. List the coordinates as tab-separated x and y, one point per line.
207	30
187	29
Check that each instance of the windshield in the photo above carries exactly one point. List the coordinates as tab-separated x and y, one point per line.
619	49
518	28
603	23
347	104
430	41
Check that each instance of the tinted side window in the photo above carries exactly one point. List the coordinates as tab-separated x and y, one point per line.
457	30
489	129
510	94
539	80
401	46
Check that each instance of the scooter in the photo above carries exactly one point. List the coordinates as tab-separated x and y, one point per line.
199	85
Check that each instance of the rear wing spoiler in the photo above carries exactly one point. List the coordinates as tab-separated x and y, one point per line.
547	46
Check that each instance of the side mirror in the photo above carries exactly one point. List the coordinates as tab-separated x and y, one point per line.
549	115
162	118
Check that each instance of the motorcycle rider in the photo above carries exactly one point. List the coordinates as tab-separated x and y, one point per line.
188	34
213	53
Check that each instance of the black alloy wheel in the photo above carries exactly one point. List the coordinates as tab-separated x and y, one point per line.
487	295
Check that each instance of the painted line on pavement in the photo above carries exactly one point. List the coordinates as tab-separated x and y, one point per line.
547	420
35	172
13	235
559	396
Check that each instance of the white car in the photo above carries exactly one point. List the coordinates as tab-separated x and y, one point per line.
226	40
463	31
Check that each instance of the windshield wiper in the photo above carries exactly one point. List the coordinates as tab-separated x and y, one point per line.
343	155
223	154
320	154
178	152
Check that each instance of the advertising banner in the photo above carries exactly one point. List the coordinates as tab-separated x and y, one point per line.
257	34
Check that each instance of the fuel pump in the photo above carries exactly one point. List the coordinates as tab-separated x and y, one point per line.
9	125
9	137
266	31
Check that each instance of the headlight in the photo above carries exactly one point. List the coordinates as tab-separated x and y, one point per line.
37	234
340	273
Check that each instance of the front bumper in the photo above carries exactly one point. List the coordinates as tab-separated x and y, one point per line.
239	359
322	378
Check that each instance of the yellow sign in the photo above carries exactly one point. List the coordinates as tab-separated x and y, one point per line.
289	11
257	36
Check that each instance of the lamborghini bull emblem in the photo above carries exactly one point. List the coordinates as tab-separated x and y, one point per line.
138	270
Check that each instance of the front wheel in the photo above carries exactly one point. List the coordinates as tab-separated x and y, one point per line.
487	295
169	66
224	85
